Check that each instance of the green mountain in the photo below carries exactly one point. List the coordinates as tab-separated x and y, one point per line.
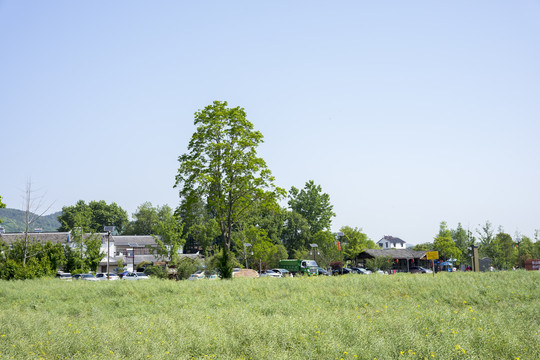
14	220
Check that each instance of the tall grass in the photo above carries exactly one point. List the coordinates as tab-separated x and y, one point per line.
451	316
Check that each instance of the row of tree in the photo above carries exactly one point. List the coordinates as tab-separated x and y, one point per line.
31	259
504	251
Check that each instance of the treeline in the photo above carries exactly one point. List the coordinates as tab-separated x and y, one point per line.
27	258
264	236
504	251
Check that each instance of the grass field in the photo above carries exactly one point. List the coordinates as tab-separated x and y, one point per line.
451	316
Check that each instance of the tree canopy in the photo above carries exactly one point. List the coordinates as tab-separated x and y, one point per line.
222	168
94	216
313	205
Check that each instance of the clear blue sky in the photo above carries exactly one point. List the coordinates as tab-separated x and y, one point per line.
406	113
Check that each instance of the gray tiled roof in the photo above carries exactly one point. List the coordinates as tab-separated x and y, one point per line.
392	239
140	240
54	237
393	253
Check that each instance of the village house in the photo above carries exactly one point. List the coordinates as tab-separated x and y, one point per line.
390	242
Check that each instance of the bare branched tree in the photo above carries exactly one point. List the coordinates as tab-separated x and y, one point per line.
33	205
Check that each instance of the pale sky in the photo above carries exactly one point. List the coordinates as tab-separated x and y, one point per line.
407	113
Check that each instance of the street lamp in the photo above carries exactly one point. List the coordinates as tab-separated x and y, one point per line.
109	230
245	254
314	250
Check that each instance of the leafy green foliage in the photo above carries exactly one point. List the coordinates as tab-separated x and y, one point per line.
222	168
423	247
95	216
444	244
43	260
313	205
147	219
204	234
326	251
93	253
357	242
170	239
186	266
463	240
296	233
383	263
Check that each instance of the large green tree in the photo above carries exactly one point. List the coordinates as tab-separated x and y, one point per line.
357	241
326	251
171	236
487	246
444	244
313	205
505	250
222	168
147	218
96	215
296	233
463	240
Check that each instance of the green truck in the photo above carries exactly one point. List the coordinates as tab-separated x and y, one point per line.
300	267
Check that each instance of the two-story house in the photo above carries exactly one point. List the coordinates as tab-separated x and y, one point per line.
390	242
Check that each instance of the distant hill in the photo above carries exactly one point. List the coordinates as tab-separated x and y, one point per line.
14	220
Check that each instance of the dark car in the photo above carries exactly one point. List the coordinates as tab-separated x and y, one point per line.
324	272
77	276
343	271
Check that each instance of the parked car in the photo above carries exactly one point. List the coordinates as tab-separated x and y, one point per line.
113	276
283	272
270	273
361	271
324	272
142	276
197	275
380	272
130	276
339	271
88	277
419	270
103	276
77	276
64	276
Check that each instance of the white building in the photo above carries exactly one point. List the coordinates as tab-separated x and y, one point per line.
390	242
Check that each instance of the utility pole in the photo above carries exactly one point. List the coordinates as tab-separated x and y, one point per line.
108	229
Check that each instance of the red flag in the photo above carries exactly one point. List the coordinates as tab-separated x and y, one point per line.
339	245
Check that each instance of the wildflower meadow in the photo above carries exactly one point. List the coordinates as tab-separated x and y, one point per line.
403	316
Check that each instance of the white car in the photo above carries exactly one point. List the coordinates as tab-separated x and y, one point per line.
197	275
270	273
283	272
88	277
142	276
102	276
130	276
